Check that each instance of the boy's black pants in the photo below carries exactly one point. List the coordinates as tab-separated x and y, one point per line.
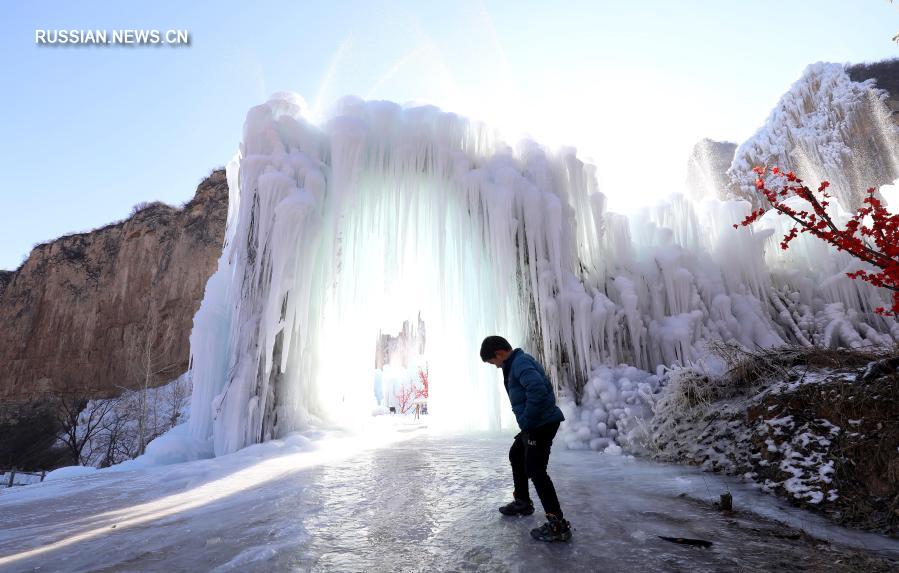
529	456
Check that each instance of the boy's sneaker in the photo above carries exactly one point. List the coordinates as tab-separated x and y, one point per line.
518	507
555	529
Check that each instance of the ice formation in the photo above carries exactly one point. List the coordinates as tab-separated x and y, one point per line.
707	169
387	214
826	127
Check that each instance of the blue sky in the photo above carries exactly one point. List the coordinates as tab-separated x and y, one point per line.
90	131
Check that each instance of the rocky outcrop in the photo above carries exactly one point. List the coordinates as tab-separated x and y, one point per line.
5	278
83	310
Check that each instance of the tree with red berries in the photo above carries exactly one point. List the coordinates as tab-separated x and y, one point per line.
876	244
413	391
404	397
421	392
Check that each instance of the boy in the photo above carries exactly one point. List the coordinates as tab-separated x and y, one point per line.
534	405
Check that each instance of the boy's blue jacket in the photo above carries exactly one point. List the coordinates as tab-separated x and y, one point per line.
530	391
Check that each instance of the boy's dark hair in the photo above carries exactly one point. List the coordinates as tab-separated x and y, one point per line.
491	344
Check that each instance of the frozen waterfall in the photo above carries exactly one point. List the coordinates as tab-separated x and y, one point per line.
826	127
384	214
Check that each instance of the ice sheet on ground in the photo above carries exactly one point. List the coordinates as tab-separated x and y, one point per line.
392	500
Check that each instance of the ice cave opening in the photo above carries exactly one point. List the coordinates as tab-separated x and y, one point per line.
401	376
404	251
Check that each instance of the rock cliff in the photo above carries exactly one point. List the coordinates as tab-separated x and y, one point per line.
89	310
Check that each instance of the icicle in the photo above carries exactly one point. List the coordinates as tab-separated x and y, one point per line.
386	214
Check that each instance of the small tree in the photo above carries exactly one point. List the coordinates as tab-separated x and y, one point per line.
82	420
422	391
877	244
112	440
404	397
177	399
150	366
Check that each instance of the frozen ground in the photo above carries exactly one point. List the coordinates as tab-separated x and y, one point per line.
405	500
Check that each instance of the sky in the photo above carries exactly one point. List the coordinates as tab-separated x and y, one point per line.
90	131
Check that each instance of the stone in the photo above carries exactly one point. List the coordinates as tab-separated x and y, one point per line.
76	309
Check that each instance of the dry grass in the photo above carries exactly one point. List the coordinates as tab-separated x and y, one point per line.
748	368
693	388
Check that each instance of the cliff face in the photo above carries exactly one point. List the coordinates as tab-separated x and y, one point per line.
85	311
5	277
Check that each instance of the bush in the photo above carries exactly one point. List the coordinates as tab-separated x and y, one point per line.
29	440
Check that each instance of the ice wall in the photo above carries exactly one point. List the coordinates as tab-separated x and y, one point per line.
826	127
707	169
384	214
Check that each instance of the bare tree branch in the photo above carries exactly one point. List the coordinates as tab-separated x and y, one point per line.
81	420
150	368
